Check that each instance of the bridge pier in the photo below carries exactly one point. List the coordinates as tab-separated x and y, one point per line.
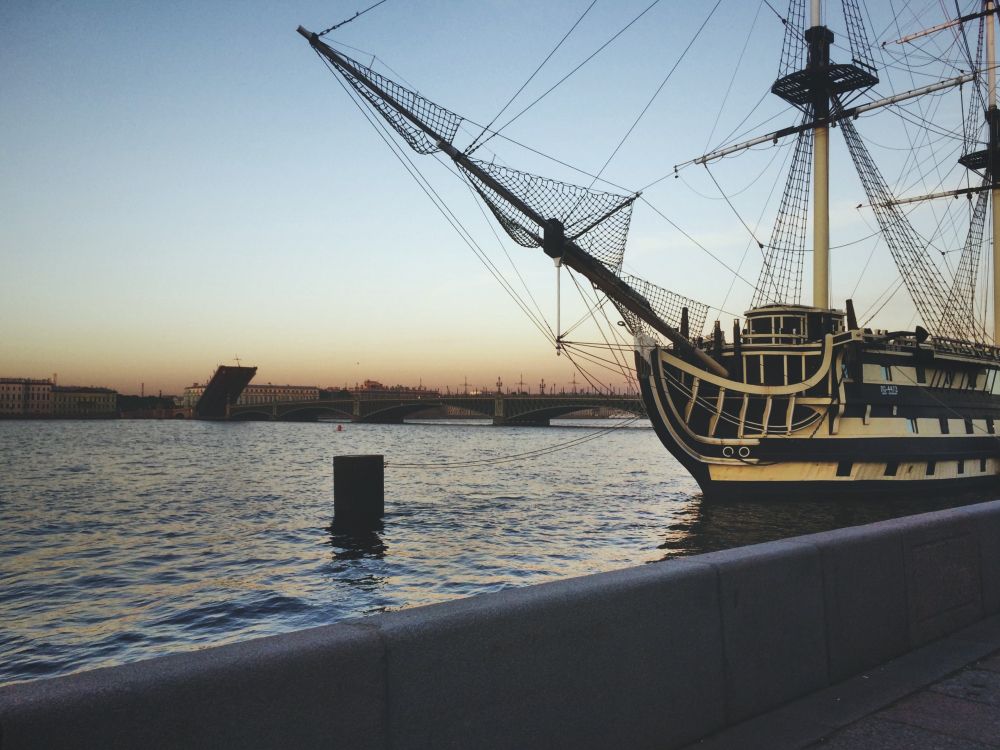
520	422
382	420
505	409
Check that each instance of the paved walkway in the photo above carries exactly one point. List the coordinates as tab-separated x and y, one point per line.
944	696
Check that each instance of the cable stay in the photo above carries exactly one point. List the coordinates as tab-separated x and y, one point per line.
486	128
961	302
585	229
619	368
448	215
566	77
849	112
336	26
799	377
942	27
527	455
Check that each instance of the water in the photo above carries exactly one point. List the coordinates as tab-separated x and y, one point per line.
122	540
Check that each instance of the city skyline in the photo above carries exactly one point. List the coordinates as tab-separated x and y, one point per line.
519	381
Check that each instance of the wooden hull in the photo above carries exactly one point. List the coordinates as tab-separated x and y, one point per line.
863	420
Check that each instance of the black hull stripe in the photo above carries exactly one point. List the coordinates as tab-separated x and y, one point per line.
821	449
856	489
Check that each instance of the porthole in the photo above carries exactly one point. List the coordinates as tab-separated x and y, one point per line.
744	452
727	451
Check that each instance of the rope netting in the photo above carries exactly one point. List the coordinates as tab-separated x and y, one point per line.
437	118
793	48
961	303
922	278
850	79
972	125
857	36
780	278
596	221
666	304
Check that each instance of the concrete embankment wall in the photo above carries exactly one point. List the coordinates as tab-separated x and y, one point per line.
650	657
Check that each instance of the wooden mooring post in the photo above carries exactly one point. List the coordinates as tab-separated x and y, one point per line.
358	489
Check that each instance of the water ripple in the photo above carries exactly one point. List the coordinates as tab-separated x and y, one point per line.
123	540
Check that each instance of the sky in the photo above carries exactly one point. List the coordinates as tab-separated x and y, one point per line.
185	183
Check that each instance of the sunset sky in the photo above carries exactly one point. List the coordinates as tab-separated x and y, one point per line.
185	182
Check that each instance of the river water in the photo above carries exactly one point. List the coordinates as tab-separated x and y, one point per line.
121	540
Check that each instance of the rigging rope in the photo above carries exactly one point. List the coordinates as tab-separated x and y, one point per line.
536	453
601	363
960	303
439	203
503	249
658	89
760	219
603	222
464	234
895	286
695	242
781	18
347	21
923	279
565	77
780	278
624	370
731	206
736	69
592	380
471	148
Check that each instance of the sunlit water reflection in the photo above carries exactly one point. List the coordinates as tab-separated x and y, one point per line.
121	540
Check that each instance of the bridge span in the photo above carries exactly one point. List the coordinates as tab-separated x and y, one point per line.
503	409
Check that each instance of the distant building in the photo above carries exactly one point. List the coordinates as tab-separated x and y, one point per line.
151	407
374	389
25	397
78	401
258	394
266	394
191	395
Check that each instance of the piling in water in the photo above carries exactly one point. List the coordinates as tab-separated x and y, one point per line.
358	489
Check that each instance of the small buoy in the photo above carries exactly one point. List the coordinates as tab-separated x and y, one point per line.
340	428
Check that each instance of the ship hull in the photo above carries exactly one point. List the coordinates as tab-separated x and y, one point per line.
836	434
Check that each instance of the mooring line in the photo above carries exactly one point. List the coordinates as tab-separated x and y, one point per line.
537	453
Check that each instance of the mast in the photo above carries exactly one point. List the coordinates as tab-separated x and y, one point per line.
852	112
819	39
813	88
991	119
553	241
988	160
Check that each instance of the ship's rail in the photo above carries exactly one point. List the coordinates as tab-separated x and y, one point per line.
967	348
939	345
889	341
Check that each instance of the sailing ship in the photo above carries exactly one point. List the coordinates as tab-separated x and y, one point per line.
801	400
